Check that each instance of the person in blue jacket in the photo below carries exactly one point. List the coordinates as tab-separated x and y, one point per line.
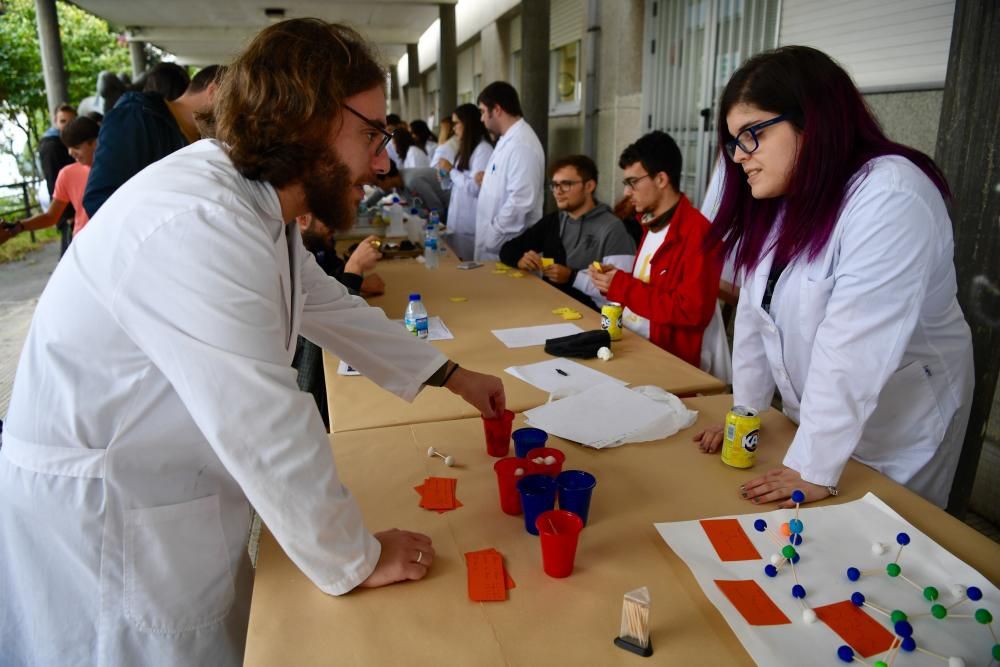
141	129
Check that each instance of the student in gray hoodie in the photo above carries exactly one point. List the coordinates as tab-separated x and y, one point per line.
580	232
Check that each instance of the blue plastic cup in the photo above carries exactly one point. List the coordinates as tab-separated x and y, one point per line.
575	490
538	494
528	438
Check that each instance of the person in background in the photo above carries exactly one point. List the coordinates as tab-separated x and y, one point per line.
80	137
471	160
447	147
141	129
392	123
415	187
511	197
580	232
409	153
669	296
169	80
848	304
423	138
53	155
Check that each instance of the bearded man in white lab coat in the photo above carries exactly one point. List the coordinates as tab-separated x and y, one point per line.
511	197
155	400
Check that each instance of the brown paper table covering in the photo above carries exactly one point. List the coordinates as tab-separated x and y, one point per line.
495	301
545	621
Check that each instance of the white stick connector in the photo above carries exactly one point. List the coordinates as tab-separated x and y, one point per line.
448	460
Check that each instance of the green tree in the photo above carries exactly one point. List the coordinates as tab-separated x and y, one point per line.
89	46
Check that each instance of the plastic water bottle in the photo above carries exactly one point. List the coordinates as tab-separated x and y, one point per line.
444	177
439	227
431	247
396	218
415	318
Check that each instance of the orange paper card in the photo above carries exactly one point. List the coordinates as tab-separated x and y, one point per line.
752	602
729	539
486	580
438	493
508	581
859	630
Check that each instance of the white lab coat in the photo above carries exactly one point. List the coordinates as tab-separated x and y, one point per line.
154	403
416	158
511	197
464	198
867	343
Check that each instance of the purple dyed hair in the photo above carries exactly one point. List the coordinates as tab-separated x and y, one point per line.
838	136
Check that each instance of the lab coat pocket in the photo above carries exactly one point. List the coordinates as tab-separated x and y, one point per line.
814	298
906	427
177	574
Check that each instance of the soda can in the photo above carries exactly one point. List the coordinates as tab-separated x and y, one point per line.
739	446
611	319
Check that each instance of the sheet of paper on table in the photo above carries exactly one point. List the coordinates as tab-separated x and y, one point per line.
344	369
537	335
835	538
561	376
609	415
436	329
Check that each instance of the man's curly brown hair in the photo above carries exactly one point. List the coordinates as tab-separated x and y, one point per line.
276	101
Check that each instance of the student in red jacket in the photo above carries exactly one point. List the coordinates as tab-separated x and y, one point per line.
670	296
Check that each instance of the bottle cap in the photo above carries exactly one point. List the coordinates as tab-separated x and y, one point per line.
414	297
395	199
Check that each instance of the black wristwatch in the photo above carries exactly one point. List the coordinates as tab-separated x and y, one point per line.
441	376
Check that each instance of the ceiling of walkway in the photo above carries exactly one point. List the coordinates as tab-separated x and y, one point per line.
202	33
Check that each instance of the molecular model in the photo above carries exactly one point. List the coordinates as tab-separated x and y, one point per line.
901	626
790	537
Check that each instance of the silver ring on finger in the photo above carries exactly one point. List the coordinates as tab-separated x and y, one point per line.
420	556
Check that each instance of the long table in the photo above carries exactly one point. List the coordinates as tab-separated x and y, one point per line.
494	301
544	621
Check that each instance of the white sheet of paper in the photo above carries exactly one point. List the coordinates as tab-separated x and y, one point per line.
436	329
528	336
344	369
835	538
546	376
605	415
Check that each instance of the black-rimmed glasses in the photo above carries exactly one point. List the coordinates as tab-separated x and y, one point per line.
386	135
630	182
562	186
747	139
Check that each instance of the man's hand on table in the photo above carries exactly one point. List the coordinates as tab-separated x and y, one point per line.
483	392
405	556
557	274
530	261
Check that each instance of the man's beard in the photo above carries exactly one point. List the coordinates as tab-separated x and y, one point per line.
327	187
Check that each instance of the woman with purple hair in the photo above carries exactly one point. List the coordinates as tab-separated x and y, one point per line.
848	306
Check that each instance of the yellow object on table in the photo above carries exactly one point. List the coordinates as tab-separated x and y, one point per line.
458	299
433	622
515	274
547	261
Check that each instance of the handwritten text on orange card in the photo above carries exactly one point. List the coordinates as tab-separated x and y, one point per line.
729	539
752	602
486	580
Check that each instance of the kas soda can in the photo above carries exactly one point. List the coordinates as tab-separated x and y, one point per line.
739	446
611	319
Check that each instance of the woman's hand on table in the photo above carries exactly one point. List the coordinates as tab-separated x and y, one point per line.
777	485
405	556
483	392
710	440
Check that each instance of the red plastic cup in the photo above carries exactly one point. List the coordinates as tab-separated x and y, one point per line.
559	531
506	470
498	434
550	469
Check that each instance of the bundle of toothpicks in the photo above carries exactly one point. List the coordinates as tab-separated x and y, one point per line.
634	633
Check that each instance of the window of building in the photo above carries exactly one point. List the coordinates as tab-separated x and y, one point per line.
564	79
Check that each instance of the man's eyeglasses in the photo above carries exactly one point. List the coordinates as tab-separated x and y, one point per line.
562	186
386	135
630	182
747	139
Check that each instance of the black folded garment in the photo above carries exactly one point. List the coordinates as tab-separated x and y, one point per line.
583	345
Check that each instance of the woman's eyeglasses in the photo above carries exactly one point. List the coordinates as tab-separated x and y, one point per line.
747	140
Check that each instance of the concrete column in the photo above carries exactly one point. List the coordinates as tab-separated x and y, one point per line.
592	58
50	46
414	98
395	92
534	90
137	50
493	42
447	65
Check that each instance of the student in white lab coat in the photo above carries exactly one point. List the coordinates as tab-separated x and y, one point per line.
155	401
466	173
848	302
511	197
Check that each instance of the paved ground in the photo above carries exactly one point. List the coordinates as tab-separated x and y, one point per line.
20	285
